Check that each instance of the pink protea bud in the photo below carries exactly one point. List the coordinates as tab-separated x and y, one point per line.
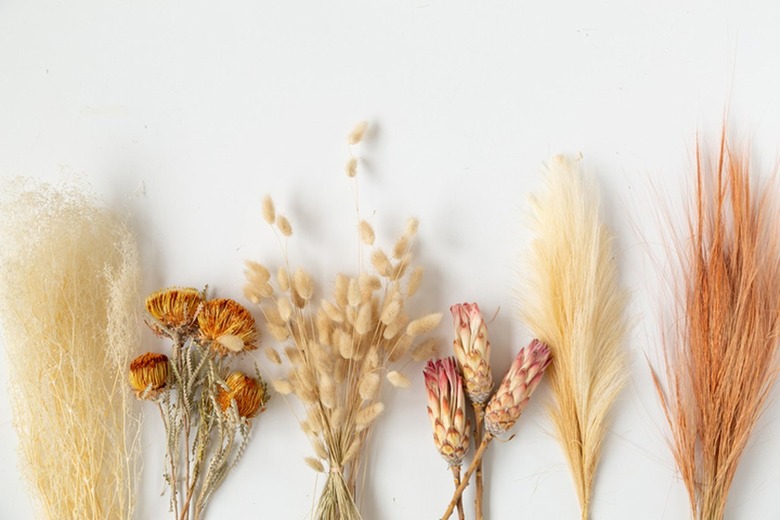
472	349
524	375
447	409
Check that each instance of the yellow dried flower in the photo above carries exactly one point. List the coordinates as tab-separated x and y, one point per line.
228	326
472	348
149	374
174	307
249	394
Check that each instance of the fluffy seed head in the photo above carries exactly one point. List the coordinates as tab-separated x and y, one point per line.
366	233
357	133
284	225
269	211
351	167
423	325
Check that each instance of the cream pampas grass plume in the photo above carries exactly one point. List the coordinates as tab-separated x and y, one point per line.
68	297
720	355
572	301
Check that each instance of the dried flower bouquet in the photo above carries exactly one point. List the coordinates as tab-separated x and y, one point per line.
205	406
445	382
340	349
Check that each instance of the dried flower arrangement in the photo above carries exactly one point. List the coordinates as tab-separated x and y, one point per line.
721	359
205	406
69	299
574	303
339	350
445	382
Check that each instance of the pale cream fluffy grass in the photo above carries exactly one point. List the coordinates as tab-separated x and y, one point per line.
69	307
573	302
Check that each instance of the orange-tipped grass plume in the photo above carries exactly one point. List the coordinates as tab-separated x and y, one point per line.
573	302
720	357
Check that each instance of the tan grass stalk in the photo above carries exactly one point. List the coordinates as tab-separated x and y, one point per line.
720	360
573	302
68	297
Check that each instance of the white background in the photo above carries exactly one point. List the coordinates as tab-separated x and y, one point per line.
183	114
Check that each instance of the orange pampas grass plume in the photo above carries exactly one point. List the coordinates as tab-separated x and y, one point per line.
720	351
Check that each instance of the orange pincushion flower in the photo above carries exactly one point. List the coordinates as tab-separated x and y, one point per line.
174	307
250	395
149	374
228	326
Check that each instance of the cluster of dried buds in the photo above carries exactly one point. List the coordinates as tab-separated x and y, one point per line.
447	380
205	405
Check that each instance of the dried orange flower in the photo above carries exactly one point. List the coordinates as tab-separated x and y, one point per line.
174	307
250	395
447	409
228	326
149	374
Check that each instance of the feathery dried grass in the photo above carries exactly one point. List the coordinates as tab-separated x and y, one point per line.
721	361
69	299
339	350
573	302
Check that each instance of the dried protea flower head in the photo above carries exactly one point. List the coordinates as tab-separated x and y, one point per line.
173	309
249	394
510	399
149	375
447	409
472	349
227	326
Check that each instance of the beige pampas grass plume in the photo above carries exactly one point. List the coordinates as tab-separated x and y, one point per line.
68	295
572	301
721	348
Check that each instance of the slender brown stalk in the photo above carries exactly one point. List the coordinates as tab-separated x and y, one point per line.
456	479
464	481
720	361
479	418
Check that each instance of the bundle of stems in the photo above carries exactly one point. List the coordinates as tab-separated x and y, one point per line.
573	302
501	413
721	355
340	349
69	298
205	406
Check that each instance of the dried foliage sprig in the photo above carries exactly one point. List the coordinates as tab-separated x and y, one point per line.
339	349
69	297
574	303
205	406
507	404
721	358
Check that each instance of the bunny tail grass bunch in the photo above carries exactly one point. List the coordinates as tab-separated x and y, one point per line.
573	302
500	415
206	406
340	349
69	298
720	355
